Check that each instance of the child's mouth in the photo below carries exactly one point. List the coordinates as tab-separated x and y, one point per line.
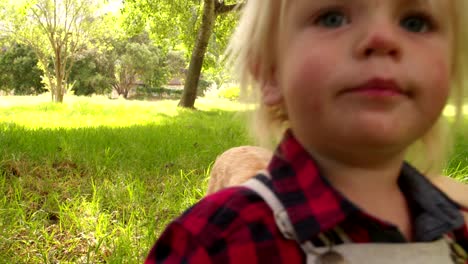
378	87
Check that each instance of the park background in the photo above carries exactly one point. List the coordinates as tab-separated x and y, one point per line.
111	115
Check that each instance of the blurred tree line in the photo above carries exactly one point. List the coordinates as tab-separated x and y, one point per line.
78	46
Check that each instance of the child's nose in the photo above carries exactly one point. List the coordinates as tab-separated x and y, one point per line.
379	41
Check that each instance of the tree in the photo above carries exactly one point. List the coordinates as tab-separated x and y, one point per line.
19	71
211	10
92	73
57	31
178	21
134	65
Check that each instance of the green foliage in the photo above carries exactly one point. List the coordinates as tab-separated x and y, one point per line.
92	74
203	85
95	52
138	62
170	22
174	25
227	91
150	93
54	38
140	58
176	64
19	71
230	92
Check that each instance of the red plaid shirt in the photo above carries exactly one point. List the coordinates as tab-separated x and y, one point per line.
236	226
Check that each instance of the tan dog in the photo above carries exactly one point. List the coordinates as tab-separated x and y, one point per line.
237	165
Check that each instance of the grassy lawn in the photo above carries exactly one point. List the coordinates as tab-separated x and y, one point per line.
97	180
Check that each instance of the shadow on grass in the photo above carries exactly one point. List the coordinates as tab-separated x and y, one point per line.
186	141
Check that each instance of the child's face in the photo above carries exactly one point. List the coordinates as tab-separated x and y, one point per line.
364	75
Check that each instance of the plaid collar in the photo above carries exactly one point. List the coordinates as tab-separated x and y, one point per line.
315	206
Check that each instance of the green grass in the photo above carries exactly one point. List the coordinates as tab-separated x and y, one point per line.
457	166
97	180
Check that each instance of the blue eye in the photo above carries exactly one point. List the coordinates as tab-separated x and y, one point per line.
332	19
417	24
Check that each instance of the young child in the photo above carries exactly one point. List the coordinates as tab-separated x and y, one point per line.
355	86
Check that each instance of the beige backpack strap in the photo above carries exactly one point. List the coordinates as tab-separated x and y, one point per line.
281	216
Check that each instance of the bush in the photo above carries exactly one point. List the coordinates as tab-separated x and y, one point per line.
145	93
19	71
229	92
203	85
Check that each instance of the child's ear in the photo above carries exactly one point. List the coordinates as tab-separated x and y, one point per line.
271	92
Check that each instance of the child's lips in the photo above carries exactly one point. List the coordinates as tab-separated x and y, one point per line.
377	87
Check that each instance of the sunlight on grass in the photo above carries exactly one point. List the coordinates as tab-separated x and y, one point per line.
78	112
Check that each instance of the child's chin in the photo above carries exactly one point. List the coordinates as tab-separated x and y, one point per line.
391	142
387	130
365	136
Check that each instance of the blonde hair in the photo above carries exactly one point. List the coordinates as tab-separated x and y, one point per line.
253	50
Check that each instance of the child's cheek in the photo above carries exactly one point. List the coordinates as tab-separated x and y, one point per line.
440	77
309	79
438	68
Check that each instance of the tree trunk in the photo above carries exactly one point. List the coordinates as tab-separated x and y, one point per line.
198	54
125	93
59	91
58	65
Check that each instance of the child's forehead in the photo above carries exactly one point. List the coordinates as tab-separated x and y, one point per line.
436	5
